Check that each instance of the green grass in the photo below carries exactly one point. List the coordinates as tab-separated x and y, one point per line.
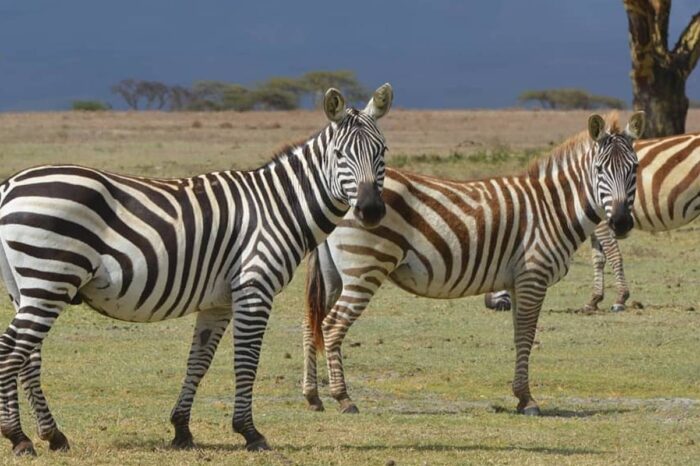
431	378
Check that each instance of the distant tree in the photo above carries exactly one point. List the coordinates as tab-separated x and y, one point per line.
659	74
318	82
279	93
180	98
90	105
567	99
220	95
237	97
694	103
273	98
128	90
154	92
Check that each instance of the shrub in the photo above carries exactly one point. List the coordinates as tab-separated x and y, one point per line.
90	105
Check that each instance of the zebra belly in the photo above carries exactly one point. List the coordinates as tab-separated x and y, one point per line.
412	275
103	294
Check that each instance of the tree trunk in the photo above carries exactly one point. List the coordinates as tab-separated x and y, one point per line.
659	74
664	101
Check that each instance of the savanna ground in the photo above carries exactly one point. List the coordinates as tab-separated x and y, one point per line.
431	378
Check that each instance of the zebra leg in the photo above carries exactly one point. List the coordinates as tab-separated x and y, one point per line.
25	333
598	260
497	300
310	381
528	297
210	327
323	288
30	378
611	248
335	327
252	308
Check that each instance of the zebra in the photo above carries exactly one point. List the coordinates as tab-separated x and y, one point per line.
145	249
668	197
448	239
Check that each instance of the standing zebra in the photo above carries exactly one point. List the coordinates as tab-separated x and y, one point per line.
446	239
668	197
143	250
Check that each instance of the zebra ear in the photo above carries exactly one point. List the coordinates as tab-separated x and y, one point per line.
380	103
635	127
596	127
334	105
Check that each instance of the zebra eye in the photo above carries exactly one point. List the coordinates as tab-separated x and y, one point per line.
599	169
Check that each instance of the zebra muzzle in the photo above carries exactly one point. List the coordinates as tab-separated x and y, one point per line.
369	208
621	221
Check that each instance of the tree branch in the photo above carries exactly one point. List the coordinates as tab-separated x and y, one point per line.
687	51
662	10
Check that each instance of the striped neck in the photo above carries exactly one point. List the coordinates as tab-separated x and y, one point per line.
567	180
300	178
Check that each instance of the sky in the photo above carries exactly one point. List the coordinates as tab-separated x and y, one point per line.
436	53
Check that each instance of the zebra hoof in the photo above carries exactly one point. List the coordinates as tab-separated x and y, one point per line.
348	407
530	411
316	407
24	448
315	403
617	308
59	442
183	442
258	445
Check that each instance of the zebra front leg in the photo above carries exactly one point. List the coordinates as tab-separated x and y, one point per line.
611	248
24	334
310	381
30	378
527	302
598	260
251	312
210	327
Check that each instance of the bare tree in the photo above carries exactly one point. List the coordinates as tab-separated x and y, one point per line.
128	90
659	74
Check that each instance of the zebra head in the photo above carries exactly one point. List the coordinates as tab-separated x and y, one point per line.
355	153
614	170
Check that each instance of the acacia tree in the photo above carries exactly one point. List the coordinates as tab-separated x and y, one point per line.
659	74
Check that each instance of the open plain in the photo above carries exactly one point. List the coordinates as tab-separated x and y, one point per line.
431	378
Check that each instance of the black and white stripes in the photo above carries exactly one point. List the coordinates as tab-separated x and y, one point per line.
221	244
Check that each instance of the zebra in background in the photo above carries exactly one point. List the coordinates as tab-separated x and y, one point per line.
143	250
668	197
447	239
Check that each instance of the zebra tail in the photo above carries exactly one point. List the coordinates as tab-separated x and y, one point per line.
315	298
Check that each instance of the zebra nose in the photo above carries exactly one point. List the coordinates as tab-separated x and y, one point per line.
370	208
621	221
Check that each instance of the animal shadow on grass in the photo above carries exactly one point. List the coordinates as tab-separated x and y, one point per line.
155	445
437	447
164	445
566	413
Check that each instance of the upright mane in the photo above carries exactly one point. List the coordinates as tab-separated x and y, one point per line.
545	163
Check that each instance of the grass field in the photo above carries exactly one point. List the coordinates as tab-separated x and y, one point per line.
431	378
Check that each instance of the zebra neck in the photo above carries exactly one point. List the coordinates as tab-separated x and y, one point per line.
300	185
569	191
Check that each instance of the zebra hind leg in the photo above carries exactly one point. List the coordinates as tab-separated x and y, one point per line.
30	378
310	382
209	329
25	333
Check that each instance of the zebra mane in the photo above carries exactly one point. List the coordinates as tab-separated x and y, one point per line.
576	145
